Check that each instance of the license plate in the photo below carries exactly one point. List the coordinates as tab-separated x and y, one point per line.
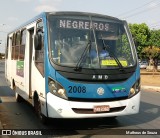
101	108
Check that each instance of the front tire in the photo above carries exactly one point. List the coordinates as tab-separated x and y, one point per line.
19	99
37	108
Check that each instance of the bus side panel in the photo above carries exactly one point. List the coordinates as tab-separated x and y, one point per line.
37	81
14	70
8	64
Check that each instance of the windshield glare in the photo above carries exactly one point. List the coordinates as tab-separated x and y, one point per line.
105	41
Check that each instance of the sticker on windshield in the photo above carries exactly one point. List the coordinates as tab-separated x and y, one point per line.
110	62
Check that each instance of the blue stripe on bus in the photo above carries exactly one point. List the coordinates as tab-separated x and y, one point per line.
115	90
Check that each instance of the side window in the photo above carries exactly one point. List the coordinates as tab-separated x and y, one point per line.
22	45
6	50
17	46
13	46
13	40
39	47
18	38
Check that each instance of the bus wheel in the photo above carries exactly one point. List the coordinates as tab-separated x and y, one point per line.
37	108
19	99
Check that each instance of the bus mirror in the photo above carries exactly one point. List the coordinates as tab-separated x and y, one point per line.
36	41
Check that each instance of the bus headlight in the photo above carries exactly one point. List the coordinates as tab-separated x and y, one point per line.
135	89
57	89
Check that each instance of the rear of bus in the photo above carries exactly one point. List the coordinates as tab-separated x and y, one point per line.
92	69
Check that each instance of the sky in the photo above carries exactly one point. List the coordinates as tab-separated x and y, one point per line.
15	12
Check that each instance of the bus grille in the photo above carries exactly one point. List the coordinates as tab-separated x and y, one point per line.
97	100
90	111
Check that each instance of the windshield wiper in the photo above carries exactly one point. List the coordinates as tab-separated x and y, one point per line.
113	55
83	56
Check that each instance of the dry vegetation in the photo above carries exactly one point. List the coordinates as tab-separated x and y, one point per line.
148	79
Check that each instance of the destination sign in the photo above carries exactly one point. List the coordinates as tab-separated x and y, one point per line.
82	24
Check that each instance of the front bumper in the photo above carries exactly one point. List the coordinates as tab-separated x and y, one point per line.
60	108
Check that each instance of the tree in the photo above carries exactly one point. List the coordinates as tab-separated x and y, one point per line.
154	39
152	52
141	35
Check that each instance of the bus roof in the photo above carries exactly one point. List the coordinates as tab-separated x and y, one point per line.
45	14
41	15
82	13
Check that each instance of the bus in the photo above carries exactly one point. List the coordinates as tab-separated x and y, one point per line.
74	65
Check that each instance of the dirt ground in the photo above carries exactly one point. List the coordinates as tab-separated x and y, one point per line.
148	79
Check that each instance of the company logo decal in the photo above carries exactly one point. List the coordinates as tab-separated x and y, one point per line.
100	91
100	77
118	89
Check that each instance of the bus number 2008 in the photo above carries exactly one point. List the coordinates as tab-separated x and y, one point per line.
77	89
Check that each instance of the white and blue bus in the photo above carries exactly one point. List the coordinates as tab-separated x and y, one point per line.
74	65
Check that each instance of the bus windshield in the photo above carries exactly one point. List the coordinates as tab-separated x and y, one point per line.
89	42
